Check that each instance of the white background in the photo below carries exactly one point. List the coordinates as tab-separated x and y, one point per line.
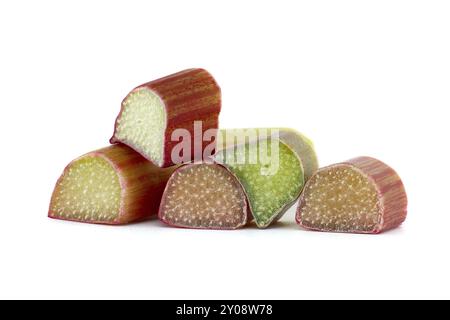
358	77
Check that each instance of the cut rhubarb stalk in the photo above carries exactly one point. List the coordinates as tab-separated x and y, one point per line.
114	185
204	196
362	195
270	171
189	100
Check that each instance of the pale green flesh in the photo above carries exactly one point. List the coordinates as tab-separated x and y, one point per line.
268	194
142	124
89	190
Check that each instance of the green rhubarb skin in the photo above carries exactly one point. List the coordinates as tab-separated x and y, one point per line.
270	194
304	148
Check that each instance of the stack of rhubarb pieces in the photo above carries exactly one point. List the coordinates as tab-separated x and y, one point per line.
169	159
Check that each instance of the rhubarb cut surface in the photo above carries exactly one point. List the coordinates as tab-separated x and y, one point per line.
362	195
90	190
142	123
204	196
189	100
114	185
273	182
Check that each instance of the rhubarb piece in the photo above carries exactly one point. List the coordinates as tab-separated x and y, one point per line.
114	185
204	196
270	171
189	100
362	195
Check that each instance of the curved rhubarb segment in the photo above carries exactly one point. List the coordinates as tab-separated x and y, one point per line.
113	185
362	195
189	100
270	171
203	196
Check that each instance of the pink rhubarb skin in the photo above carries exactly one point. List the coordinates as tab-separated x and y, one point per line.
246	214
392	199
142	184
188	96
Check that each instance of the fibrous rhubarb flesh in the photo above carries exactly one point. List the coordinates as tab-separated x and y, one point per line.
204	196
270	171
113	185
362	195
189	100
